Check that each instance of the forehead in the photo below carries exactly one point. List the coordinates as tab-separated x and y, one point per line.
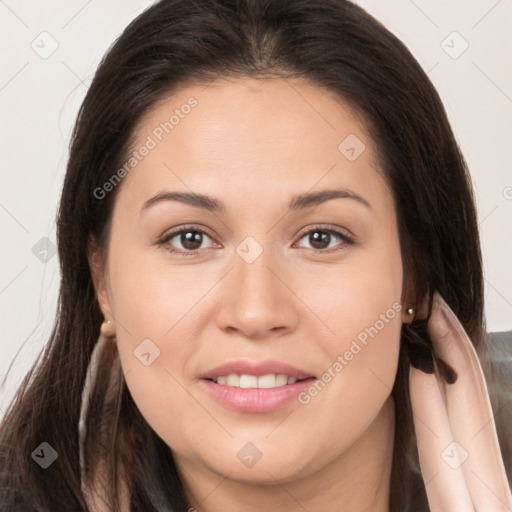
243	135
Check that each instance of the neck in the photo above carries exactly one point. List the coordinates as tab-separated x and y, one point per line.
358	480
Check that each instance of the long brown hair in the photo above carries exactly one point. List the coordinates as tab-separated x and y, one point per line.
333	44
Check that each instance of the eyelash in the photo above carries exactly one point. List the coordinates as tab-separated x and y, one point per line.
345	238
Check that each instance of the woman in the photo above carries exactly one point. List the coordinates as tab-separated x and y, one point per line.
271	275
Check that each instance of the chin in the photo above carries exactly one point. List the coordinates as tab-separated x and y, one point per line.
244	462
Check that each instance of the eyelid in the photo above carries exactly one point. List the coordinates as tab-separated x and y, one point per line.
185	227
343	232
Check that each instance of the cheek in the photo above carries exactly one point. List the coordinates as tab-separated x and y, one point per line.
360	370
150	308
362	323
150	297
360	308
360	299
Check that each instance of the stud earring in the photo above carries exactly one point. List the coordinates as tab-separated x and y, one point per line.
410	311
107	329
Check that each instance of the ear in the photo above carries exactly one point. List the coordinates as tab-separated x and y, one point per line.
99	274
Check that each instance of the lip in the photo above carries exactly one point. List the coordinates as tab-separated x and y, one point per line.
255	400
245	367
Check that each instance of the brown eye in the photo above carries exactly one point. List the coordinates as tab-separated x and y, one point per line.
191	240
187	241
321	239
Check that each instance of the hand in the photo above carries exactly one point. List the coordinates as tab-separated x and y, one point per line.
459	455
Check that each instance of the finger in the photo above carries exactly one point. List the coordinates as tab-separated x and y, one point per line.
469	412
444	480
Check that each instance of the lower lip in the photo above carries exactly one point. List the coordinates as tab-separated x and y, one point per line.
255	400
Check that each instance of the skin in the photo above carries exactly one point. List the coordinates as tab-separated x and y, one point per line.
253	144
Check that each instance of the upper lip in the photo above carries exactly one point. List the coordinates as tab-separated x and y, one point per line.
245	367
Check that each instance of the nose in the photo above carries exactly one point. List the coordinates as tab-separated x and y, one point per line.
256	301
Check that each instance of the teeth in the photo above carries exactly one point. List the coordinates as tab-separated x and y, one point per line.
248	381
252	382
233	380
281	380
267	381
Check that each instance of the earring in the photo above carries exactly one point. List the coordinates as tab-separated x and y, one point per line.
107	329
409	311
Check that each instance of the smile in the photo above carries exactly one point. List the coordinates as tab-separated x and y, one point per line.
245	381
255	387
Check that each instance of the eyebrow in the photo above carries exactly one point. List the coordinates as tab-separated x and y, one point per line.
298	202
314	198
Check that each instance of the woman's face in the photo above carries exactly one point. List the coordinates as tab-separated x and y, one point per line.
254	241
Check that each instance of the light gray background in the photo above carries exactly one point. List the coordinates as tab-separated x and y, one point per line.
39	99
